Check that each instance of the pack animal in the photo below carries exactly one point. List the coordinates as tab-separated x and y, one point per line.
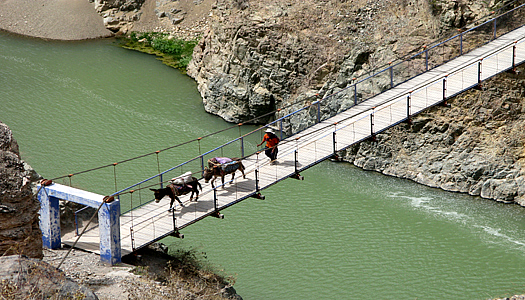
175	190
220	167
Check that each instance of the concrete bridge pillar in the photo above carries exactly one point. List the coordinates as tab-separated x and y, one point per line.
109	228
49	220
108	218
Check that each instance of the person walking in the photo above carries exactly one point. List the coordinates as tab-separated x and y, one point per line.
271	145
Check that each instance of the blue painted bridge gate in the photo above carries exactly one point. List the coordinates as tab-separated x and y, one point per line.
370	112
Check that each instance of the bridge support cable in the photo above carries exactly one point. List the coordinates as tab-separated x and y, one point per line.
391	75
257	194
460	42
426	58
335	156
444	102
409	117
513	67
158	168
115	175
176	232
131	234
242	146
355	93
131	228
216	212
318	111
495	29
296	174
478	86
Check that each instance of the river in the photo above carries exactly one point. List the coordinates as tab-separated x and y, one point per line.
342	233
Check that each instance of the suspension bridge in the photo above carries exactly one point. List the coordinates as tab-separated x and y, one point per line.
374	104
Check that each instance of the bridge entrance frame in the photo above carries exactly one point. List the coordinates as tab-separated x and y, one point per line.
108	216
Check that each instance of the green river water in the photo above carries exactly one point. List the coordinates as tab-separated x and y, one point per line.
342	233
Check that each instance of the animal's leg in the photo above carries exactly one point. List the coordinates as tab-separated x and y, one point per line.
171	204
179	201
222	179
233	176
196	192
242	171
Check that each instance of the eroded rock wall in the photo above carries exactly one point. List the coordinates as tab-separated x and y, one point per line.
261	55
19	228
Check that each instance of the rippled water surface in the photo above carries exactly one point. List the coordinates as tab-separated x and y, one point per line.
342	233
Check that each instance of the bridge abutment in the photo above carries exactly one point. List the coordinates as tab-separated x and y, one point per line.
108	215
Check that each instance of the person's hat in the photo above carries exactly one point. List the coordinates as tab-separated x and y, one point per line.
269	130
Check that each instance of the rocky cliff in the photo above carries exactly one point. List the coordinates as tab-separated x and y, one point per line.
258	56
19	229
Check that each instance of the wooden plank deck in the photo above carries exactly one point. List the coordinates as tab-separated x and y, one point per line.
152	222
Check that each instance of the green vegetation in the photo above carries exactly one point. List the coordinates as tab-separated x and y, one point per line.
176	53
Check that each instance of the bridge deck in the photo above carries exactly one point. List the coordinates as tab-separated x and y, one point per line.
152	221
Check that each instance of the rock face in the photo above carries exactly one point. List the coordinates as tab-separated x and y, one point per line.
476	146
19	228
119	15
259	56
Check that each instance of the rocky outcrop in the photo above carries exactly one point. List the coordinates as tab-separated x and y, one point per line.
119	15
26	278
19	228
476	146
259	56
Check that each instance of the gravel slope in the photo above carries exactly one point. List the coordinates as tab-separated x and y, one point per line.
52	19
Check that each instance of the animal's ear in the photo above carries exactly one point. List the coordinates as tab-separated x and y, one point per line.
153	190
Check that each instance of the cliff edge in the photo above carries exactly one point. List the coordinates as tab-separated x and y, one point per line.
19	229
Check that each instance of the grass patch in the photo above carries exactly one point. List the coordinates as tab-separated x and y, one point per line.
176	53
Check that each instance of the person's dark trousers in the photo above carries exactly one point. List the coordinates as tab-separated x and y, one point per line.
272	156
